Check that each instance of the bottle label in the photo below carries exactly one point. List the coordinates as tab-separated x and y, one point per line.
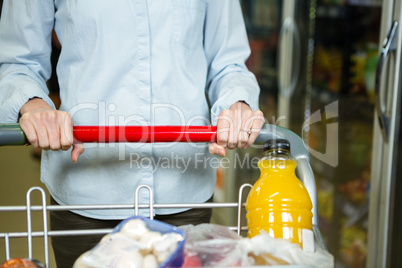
308	240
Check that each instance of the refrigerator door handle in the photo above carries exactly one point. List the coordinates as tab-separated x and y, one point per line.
289	67
387	48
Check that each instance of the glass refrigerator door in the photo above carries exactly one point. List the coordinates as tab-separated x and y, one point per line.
293	64
384	208
329	102
316	69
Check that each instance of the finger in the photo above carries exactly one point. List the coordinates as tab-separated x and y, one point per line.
244	132
42	133
77	150
212	148
215	148
54	138
234	129
29	131
243	137
258	122
53	131
66	132
223	128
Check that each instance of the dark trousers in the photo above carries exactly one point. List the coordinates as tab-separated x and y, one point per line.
68	248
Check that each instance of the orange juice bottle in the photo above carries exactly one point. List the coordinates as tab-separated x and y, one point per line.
278	202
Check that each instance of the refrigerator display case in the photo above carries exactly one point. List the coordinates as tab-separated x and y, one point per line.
322	71
346	40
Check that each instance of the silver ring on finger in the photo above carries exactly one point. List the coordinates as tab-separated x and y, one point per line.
248	131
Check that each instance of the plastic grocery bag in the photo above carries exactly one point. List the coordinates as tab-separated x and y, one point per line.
137	242
289	252
211	245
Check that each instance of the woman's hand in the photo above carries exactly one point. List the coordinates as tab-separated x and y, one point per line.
237	127
47	128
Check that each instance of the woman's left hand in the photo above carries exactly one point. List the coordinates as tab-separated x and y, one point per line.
237	127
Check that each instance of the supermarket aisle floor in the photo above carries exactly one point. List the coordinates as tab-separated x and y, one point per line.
19	172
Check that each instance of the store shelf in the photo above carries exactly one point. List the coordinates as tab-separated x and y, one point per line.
370	3
331	11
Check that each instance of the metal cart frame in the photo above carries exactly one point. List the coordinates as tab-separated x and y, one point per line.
46	233
12	134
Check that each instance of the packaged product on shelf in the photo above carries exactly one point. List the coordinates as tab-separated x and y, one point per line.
356	79
327	68
325	197
370	69
353	246
356	190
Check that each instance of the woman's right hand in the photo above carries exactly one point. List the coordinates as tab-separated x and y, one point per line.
47	128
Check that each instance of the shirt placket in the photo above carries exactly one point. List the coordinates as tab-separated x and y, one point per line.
144	93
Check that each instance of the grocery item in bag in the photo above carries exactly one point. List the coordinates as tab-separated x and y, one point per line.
22	263
212	245
137	242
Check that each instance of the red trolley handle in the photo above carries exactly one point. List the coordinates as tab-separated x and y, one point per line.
12	134
148	134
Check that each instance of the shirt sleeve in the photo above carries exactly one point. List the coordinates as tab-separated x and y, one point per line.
25	47
227	49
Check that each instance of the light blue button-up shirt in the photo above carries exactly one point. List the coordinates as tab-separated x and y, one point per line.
128	62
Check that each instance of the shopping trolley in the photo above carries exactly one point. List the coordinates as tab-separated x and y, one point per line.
11	134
